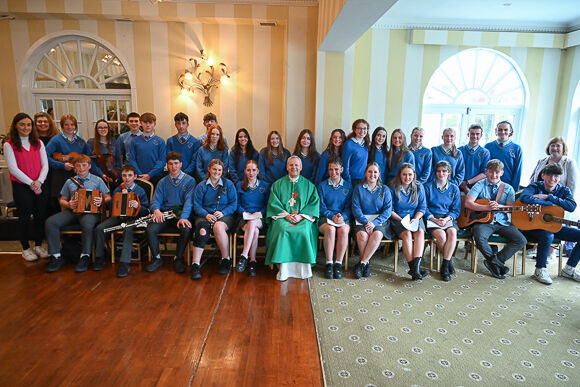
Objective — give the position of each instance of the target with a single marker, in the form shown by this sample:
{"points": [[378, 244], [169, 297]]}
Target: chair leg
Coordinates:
{"points": [[112, 246], [234, 250], [346, 258], [524, 260], [431, 254], [474, 261], [396, 254], [560, 259], [515, 264]]}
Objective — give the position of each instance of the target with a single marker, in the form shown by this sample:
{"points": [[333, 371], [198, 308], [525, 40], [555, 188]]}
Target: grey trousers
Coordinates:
{"points": [[515, 239], [127, 238], [55, 222]]}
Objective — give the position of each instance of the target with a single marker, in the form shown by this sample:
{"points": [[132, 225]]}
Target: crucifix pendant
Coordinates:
{"points": [[292, 201]]}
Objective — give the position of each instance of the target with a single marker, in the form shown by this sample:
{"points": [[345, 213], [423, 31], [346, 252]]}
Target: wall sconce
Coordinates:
{"points": [[203, 77]]}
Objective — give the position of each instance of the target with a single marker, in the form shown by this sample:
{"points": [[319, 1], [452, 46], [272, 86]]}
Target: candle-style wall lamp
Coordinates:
{"points": [[203, 76]]}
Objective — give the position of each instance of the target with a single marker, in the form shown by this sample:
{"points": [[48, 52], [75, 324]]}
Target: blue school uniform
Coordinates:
{"points": [[174, 192], [309, 167], [475, 160], [354, 160], [560, 196], [483, 190], [271, 173], [457, 164], [237, 168], [187, 146], [510, 154], [381, 159], [404, 206], [379, 202], [90, 182], [205, 156], [253, 199], [392, 172], [147, 155], [205, 198], [321, 173], [335, 200], [125, 140], [62, 144], [423, 160], [445, 201], [97, 169]]}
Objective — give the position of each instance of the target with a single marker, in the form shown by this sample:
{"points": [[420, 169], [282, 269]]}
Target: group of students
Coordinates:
{"points": [[381, 191]]}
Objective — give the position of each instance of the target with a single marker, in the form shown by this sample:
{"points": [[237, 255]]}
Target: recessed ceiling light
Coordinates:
{"points": [[507, 4]]}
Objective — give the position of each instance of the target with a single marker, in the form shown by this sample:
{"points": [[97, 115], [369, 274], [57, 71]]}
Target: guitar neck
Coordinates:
{"points": [[512, 209], [566, 222]]}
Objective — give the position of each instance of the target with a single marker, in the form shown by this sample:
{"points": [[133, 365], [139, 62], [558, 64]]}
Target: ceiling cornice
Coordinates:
{"points": [[471, 27]]}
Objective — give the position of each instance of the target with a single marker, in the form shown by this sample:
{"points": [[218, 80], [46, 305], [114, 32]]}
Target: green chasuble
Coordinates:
{"points": [[287, 242]]}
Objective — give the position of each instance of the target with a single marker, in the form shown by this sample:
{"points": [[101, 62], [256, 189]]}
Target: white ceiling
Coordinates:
{"points": [[497, 15]]}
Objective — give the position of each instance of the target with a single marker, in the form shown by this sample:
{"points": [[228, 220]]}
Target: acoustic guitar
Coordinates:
{"points": [[549, 218], [468, 217], [65, 158]]}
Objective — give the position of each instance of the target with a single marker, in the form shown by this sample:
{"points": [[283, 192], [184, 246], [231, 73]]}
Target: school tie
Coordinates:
{"points": [[493, 192]]}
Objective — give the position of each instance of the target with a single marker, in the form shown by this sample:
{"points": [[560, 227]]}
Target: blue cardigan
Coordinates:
{"points": [[335, 200], [205, 198], [147, 155], [62, 145], [457, 164], [354, 160], [379, 202], [253, 199], [203, 158], [271, 173], [187, 149], [423, 160], [446, 202], [511, 157], [237, 168]]}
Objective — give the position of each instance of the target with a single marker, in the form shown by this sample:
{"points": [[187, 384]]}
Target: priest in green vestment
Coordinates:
{"points": [[292, 216]]}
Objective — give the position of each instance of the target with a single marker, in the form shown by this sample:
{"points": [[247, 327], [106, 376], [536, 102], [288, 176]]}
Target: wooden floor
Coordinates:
{"points": [[93, 329]]}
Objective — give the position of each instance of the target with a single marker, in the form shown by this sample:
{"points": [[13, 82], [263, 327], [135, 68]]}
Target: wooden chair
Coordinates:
{"points": [[462, 236], [321, 246], [233, 247], [556, 244], [497, 241], [173, 234]]}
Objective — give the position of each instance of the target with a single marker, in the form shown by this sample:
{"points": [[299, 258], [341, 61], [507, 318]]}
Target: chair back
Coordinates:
{"points": [[147, 187]]}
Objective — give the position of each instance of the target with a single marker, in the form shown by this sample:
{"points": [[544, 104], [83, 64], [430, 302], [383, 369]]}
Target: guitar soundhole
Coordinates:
{"points": [[548, 217]]}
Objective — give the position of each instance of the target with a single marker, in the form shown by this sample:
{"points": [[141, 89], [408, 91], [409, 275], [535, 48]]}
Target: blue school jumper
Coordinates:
{"points": [[407, 158], [271, 173], [61, 144], [510, 154], [96, 169], [173, 192], [237, 169], [253, 199], [309, 168], [335, 200], [381, 159], [423, 160], [354, 160], [187, 147], [457, 164], [322, 170], [445, 201], [404, 205], [147, 155], [205, 156], [205, 198], [475, 160], [379, 202]]}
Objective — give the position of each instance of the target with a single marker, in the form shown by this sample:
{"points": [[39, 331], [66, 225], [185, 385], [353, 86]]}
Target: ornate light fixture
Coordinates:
{"points": [[203, 76]]}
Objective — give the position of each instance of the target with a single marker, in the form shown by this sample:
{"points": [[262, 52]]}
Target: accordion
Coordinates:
{"points": [[86, 204], [121, 204]]}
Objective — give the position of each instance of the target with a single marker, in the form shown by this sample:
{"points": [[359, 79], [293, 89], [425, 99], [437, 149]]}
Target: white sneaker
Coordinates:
{"points": [[29, 255], [575, 275], [551, 258], [40, 252], [542, 276]]}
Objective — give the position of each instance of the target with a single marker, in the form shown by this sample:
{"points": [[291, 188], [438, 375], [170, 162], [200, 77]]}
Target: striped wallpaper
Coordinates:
{"points": [[383, 77], [273, 68]]}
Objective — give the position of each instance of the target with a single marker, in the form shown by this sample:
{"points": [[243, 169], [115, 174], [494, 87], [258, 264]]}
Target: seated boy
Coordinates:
{"points": [[173, 191], [147, 152], [500, 194], [129, 174], [68, 203], [549, 193]]}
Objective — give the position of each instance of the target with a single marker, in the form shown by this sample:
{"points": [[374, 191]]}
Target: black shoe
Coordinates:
{"points": [[252, 269], [493, 269], [358, 270], [123, 270], [414, 271], [83, 264], [225, 265], [54, 264], [424, 273], [451, 268], [195, 271], [503, 269], [99, 264], [445, 275], [179, 265], [367, 270], [338, 270], [328, 272], [155, 264], [241, 264]]}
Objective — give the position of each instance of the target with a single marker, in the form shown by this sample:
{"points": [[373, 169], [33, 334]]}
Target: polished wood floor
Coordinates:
{"points": [[93, 329]]}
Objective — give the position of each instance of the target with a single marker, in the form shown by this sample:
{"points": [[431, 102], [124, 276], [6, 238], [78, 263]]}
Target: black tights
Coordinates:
{"points": [[28, 203]]}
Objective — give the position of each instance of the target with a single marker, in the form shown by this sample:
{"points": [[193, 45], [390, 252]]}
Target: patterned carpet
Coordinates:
{"points": [[474, 330]]}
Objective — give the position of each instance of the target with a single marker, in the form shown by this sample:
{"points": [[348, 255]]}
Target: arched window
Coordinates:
{"points": [[574, 126], [80, 76], [477, 85]]}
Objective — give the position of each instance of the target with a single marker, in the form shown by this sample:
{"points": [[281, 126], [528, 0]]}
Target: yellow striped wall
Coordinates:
{"points": [[273, 69], [383, 77], [328, 11]]}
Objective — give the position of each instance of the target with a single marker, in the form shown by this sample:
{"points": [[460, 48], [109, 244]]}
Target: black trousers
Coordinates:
{"points": [[28, 203]]}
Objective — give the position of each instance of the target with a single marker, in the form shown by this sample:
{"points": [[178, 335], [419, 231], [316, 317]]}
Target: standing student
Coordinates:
{"points": [[124, 139], [45, 126], [423, 155], [242, 151], [500, 194], [379, 150], [508, 152], [355, 152], [371, 208], [184, 143], [28, 166], [173, 193], [214, 203], [443, 207], [399, 154], [128, 176], [305, 148], [475, 157], [333, 151], [409, 200], [68, 202], [105, 154], [252, 201], [272, 159], [209, 120], [214, 147], [147, 152], [335, 214], [448, 152]]}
